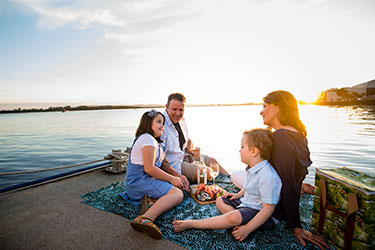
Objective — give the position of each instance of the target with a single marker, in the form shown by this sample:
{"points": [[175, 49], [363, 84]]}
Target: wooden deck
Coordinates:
{"points": [[52, 216]]}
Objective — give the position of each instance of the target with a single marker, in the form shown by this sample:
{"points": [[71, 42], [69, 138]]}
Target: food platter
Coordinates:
{"points": [[194, 196], [212, 191]]}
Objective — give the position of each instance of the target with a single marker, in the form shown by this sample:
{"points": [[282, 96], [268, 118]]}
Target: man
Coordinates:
{"points": [[177, 142]]}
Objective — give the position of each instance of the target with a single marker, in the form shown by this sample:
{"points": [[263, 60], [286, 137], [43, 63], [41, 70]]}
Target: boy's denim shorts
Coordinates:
{"points": [[248, 213]]}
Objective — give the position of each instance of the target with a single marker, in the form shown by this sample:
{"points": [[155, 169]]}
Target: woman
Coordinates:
{"points": [[290, 157], [146, 176]]}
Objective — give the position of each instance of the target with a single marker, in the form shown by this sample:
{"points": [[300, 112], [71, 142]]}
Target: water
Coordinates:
{"points": [[338, 136]]}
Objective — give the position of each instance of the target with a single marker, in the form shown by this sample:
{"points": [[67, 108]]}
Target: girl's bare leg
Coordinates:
{"points": [[164, 203], [224, 221]]}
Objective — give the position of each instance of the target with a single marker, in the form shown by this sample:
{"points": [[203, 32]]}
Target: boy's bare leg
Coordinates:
{"points": [[222, 206], [224, 221]]}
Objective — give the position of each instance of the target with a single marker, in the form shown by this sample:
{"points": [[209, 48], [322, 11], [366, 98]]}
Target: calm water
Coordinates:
{"points": [[338, 136]]}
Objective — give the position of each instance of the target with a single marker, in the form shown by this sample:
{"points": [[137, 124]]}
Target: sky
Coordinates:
{"points": [[96, 52]]}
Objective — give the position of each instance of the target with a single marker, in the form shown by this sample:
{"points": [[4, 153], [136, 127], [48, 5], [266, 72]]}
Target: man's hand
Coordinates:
{"points": [[196, 153], [189, 146], [240, 232], [317, 240]]}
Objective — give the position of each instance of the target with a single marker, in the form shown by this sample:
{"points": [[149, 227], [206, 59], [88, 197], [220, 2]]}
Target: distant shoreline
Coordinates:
{"points": [[107, 107], [347, 103], [143, 106]]}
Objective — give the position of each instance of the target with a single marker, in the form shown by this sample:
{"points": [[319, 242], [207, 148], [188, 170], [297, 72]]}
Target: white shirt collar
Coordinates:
{"points": [[257, 167], [167, 119]]}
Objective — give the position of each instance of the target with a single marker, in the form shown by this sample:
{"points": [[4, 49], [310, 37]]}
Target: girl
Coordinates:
{"points": [[146, 176]]}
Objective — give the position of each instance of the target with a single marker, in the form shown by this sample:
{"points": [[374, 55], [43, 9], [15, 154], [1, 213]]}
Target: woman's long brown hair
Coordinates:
{"points": [[288, 105]]}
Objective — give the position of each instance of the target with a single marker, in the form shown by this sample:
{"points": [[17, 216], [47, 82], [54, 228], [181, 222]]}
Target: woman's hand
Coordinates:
{"points": [[303, 235], [307, 188]]}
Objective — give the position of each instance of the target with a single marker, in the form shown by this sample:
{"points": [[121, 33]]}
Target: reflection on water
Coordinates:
{"points": [[338, 136], [341, 136]]}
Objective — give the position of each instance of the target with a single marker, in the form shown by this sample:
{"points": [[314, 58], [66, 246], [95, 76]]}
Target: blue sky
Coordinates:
{"points": [[213, 51]]}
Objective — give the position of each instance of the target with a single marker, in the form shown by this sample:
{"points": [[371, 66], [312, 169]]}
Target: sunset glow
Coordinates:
{"points": [[138, 52]]}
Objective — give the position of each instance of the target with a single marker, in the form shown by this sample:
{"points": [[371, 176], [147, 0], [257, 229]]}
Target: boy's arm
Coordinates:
{"points": [[241, 193], [241, 232]]}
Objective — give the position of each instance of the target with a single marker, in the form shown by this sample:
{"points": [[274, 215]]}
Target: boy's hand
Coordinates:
{"points": [[232, 195], [225, 195], [240, 232]]}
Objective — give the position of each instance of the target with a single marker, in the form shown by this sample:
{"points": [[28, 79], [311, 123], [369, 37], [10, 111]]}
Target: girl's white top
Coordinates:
{"points": [[142, 141]]}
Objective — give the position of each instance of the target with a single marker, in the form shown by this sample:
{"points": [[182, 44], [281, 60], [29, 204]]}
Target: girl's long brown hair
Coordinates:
{"points": [[145, 125]]}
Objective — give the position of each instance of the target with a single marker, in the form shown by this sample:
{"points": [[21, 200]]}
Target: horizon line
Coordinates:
{"points": [[114, 106]]}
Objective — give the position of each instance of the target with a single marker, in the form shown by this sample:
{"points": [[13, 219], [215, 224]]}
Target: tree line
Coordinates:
{"points": [[78, 108]]}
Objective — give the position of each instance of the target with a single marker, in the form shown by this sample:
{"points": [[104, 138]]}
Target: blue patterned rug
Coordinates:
{"points": [[108, 199]]}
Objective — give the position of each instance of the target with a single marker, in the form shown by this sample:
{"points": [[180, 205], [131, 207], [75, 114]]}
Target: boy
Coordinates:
{"points": [[252, 207]]}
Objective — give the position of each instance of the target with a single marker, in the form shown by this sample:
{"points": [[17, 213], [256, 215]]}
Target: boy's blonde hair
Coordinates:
{"points": [[261, 139]]}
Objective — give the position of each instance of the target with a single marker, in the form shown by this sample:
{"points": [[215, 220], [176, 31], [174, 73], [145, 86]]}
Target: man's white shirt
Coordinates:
{"points": [[171, 141]]}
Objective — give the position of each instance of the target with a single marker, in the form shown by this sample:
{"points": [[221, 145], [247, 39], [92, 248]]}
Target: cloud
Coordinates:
{"points": [[362, 9], [114, 13], [160, 22], [51, 18], [134, 25], [17, 73], [56, 79]]}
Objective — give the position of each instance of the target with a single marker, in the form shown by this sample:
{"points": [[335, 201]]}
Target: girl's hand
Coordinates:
{"points": [[240, 233], [185, 181], [177, 182]]}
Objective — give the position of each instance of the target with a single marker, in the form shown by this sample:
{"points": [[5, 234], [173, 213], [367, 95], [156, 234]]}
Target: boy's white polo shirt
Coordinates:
{"points": [[263, 185]]}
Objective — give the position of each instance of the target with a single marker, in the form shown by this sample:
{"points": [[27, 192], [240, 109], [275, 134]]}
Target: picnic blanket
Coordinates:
{"points": [[109, 199]]}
